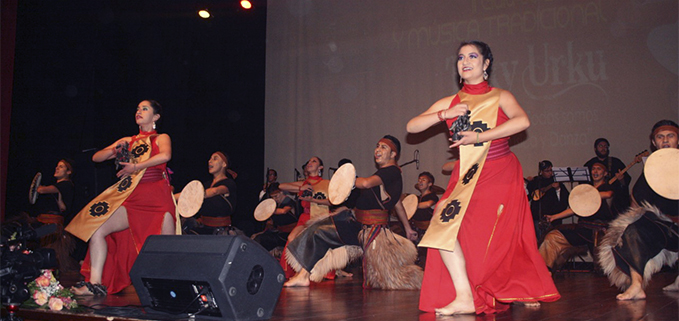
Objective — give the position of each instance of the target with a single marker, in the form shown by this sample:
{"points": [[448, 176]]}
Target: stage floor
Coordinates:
{"points": [[584, 296]]}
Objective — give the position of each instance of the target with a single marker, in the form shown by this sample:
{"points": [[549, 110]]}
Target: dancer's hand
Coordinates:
{"points": [[127, 170]]}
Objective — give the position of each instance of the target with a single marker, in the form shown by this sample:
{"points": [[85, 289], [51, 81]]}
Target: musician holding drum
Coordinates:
{"points": [[331, 243], [646, 237], [425, 204], [118, 221], [589, 228], [218, 203], [281, 221]]}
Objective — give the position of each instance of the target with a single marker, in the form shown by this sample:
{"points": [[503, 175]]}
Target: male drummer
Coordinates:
{"points": [[425, 205], [307, 254], [554, 249], [621, 200], [644, 239], [282, 221]]}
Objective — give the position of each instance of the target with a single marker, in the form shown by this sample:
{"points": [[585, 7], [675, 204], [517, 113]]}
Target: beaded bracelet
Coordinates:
{"points": [[440, 114]]}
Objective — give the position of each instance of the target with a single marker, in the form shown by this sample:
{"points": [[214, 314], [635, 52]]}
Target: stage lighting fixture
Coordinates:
{"points": [[204, 13], [245, 4]]}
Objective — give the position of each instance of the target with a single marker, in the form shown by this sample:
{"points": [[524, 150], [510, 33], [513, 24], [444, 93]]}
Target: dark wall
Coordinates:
{"points": [[82, 67]]}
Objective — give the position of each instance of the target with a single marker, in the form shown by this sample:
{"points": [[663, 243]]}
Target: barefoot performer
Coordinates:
{"points": [[645, 238], [482, 254], [331, 243]]}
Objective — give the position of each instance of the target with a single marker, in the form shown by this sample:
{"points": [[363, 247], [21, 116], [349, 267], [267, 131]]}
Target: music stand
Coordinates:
{"points": [[571, 174]]}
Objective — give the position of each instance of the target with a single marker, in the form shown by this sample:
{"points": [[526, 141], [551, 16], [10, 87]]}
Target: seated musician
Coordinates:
{"points": [[58, 207], [547, 197], [558, 242], [425, 206], [214, 216], [281, 223]]}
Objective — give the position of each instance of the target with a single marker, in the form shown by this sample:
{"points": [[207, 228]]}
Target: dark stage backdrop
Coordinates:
{"points": [[82, 67], [340, 74]]}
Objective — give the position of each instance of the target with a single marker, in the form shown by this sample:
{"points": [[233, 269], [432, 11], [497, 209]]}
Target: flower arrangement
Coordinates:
{"points": [[47, 293]]}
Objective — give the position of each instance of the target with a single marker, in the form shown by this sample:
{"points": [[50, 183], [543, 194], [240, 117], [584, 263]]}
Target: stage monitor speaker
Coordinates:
{"points": [[213, 277]]}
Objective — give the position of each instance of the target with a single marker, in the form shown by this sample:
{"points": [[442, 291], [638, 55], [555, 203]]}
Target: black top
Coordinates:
{"points": [[287, 218], [393, 185], [614, 165], [643, 192], [425, 214], [604, 213], [550, 203], [50, 205], [219, 205]]}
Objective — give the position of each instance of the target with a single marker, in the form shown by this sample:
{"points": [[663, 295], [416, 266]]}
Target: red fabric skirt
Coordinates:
{"points": [[145, 207], [502, 258]]}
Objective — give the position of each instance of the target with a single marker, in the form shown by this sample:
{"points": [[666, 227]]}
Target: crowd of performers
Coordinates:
{"points": [[491, 239]]}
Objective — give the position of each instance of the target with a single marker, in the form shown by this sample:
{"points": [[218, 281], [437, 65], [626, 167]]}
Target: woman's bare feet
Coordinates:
{"points": [[634, 292], [459, 306], [300, 279]]}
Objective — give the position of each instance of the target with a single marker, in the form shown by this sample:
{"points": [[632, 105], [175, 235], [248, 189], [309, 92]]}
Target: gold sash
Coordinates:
{"points": [[448, 215], [101, 207], [319, 210]]}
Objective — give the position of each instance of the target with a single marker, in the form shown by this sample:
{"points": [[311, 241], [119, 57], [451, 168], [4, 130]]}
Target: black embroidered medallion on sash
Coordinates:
{"points": [[307, 193], [99, 209], [139, 150], [125, 183], [319, 196], [479, 127], [470, 174], [449, 212]]}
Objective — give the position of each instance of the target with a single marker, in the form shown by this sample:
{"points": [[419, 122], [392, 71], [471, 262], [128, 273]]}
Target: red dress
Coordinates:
{"points": [[146, 208], [502, 259]]}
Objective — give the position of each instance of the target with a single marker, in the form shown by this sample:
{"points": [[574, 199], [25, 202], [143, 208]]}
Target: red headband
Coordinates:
{"points": [[389, 143], [666, 127], [220, 154]]}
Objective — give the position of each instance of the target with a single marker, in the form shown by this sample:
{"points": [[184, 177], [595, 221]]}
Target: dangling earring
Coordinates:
{"points": [[485, 75], [460, 79], [154, 125]]}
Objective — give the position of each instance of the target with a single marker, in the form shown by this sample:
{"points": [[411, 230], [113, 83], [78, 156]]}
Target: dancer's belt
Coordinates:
{"points": [[51, 219], [152, 174], [422, 225], [372, 217], [213, 221], [287, 228]]}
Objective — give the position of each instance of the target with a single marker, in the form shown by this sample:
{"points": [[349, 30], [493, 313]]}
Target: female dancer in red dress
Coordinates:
{"points": [[482, 254], [147, 207]]}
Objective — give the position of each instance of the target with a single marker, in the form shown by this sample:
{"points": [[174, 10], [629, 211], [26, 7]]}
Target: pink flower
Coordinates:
{"points": [[40, 297], [56, 304], [42, 281]]}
